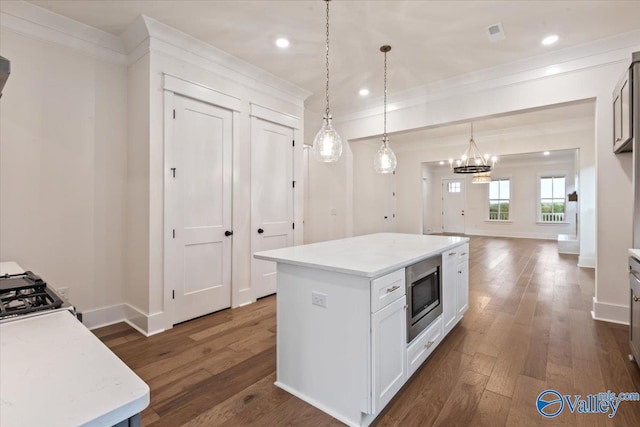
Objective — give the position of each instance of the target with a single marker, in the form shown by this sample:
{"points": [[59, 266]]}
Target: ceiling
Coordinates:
{"points": [[431, 40]]}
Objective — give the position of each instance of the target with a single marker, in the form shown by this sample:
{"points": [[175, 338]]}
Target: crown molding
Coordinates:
{"points": [[147, 34], [577, 58], [36, 22]]}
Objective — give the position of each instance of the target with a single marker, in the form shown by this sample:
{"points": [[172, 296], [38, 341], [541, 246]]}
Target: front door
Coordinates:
{"points": [[198, 206], [271, 198], [453, 205]]}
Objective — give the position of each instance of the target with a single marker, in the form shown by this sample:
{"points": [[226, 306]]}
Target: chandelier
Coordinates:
{"points": [[327, 145], [385, 160], [472, 161]]}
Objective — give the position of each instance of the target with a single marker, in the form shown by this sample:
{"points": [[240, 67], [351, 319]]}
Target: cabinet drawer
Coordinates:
{"points": [[423, 345], [387, 289], [463, 251]]}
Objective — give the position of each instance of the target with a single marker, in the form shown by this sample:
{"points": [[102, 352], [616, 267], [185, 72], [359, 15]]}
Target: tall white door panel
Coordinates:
{"points": [[198, 206], [453, 199], [271, 198]]}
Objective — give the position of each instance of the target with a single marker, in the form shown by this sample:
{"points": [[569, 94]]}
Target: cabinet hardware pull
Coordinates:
{"points": [[463, 253], [636, 299], [635, 274], [428, 344], [393, 288], [451, 253], [618, 139]]}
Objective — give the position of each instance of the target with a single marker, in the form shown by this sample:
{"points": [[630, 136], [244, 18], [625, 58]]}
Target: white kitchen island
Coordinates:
{"points": [[342, 322]]}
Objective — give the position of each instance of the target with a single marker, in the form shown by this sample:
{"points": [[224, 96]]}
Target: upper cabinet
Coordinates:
{"points": [[622, 119]]}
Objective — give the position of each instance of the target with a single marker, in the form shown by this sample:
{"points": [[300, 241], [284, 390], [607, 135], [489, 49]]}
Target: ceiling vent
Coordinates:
{"points": [[495, 32]]}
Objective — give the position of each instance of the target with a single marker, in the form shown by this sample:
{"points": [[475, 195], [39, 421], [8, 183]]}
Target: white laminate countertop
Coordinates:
{"points": [[635, 253], [55, 372], [370, 256]]}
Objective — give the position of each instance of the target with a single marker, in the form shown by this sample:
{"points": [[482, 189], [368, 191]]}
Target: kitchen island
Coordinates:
{"points": [[342, 341]]}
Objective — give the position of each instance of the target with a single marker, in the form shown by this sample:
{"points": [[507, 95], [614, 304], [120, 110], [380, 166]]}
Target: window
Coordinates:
{"points": [[552, 191], [454, 187], [499, 196]]}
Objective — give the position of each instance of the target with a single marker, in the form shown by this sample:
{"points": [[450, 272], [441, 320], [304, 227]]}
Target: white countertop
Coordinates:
{"points": [[371, 256], [635, 253], [10, 267], [55, 372]]}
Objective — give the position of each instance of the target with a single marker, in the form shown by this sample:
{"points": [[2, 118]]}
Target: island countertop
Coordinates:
{"points": [[371, 256]]}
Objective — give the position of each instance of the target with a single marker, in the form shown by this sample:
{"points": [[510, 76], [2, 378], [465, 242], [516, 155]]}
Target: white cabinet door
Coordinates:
{"points": [[462, 286], [271, 199], [198, 208], [449, 289], [389, 352]]}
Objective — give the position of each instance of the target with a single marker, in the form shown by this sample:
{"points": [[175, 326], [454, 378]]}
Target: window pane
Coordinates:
{"points": [[493, 206], [504, 189], [558, 206], [545, 188], [504, 207], [504, 216], [558, 188], [546, 206], [494, 192]]}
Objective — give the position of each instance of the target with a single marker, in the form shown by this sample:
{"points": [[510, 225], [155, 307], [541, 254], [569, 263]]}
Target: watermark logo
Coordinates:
{"points": [[550, 403]]}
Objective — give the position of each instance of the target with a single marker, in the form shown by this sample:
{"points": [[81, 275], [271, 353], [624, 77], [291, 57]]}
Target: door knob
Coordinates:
{"points": [[228, 233], [260, 231]]}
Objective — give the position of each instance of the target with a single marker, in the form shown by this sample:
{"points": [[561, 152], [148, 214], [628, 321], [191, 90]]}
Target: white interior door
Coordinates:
{"points": [[198, 190], [453, 205], [389, 215], [271, 198]]}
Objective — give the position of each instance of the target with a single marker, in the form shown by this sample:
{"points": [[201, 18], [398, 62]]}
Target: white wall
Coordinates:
{"points": [[63, 174], [523, 206]]}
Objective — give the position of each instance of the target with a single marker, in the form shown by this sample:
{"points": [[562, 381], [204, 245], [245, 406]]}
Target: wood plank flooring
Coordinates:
{"points": [[528, 328]]}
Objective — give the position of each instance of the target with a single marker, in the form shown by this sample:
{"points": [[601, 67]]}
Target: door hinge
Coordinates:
{"points": [[294, 142], [293, 226], [394, 194], [174, 233], [294, 184], [174, 113], [173, 294], [173, 172]]}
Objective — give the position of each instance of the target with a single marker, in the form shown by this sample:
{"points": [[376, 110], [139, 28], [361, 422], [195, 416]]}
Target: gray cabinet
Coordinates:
{"points": [[634, 321], [622, 119]]}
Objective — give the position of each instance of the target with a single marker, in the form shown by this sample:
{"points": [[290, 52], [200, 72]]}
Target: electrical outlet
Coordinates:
{"points": [[319, 299], [64, 293]]}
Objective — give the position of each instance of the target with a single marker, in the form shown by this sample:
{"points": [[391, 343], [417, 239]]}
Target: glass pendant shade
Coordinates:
{"points": [[327, 145], [385, 160]]}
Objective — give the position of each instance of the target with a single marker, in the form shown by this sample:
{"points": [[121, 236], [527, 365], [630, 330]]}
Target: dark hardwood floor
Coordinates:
{"points": [[528, 328]]}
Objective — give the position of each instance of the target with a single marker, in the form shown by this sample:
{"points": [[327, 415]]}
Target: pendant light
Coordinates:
{"points": [[472, 161], [385, 160], [327, 145]]}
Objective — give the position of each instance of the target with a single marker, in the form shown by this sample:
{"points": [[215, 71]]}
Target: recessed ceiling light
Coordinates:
{"points": [[364, 92], [282, 42], [546, 153], [442, 162], [549, 40]]}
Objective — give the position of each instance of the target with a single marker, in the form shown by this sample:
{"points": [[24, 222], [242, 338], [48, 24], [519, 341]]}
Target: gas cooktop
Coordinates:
{"points": [[25, 293]]}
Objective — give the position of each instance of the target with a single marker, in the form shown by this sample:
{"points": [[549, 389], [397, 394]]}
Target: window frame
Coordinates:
{"points": [[550, 174], [488, 204]]}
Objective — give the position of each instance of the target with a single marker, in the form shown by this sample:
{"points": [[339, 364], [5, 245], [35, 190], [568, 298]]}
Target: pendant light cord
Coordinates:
{"points": [[327, 60], [384, 136]]}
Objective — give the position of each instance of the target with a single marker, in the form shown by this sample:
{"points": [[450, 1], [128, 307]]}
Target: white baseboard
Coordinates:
{"points": [[608, 312], [587, 261], [514, 234], [147, 325]]}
